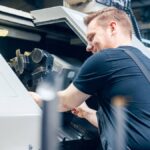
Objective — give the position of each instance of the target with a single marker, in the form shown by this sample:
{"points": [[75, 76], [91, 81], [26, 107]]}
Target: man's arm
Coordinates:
{"points": [[70, 98]]}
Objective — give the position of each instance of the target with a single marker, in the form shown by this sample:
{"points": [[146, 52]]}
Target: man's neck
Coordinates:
{"points": [[123, 42]]}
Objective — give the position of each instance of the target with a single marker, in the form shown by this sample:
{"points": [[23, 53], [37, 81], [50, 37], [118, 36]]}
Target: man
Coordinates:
{"points": [[118, 82]]}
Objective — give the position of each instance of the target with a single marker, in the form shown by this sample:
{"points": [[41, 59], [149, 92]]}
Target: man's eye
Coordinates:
{"points": [[91, 38]]}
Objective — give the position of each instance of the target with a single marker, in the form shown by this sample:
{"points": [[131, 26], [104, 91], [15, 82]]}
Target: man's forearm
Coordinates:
{"points": [[63, 102], [70, 98]]}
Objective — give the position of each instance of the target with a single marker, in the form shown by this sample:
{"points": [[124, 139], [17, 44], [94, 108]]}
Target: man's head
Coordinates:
{"points": [[107, 28]]}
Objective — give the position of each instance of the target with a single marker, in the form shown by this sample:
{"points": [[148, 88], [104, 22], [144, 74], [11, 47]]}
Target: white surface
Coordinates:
{"points": [[136, 43], [19, 114]]}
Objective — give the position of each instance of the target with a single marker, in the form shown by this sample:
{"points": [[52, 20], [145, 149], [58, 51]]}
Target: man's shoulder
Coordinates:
{"points": [[109, 52], [119, 51]]}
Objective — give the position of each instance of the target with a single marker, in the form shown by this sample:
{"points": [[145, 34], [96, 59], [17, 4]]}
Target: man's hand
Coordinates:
{"points": [[83, 111], [36, 98]]}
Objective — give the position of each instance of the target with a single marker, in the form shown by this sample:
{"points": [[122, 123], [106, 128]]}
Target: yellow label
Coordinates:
{"points": [[27, 53], [3, 32]]}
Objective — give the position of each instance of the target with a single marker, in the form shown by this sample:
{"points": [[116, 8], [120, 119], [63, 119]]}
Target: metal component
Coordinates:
{"points": [[37, 55]]}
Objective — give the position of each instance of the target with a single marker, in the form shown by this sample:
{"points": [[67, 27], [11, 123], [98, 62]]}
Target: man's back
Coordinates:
{"points": [[128, 81], [110, 74]]}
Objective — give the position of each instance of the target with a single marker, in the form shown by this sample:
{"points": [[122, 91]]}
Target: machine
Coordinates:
{"points": [[60, 33]]}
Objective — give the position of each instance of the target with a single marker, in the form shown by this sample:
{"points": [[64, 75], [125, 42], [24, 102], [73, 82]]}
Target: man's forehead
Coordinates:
{"points": [[93, 24], [91, 28]]}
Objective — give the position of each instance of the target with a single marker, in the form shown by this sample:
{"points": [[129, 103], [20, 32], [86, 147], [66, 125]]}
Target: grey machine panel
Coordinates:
{"points": [[55, 15], [15, 16], [19, 115]]}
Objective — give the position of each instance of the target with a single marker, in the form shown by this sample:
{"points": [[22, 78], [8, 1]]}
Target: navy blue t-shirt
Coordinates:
{"points": [[110, 74]]}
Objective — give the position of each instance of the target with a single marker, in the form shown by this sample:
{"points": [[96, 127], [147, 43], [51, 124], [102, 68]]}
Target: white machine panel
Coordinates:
{"points": [[19, 114]]}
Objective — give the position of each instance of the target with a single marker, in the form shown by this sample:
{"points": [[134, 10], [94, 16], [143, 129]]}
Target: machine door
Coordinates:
{"points": [[61, 16]]}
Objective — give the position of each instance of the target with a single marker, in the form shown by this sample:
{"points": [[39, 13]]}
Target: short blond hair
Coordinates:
{"points": [[108, 14]]}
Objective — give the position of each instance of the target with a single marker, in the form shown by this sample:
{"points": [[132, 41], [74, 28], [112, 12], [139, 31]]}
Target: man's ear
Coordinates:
{"points": [[113, 27]]}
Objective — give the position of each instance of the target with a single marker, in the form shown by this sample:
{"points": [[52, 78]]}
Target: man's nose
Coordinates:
{"points": [[89, 47]]}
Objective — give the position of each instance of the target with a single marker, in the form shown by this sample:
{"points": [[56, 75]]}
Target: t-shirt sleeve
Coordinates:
{"points": [[93, 74]]}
